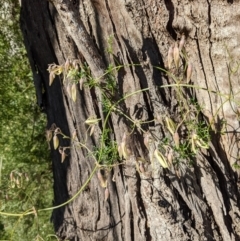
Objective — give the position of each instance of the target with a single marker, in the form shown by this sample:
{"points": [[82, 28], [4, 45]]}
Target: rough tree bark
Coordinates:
{"points": [[197, 198]]}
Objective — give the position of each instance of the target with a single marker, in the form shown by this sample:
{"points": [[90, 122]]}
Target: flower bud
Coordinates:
{"points": [[51, 78], [146, 140], [74, 92], [189, 73], [193, 147], [102, 179], [120, 151], [67, 65], [160, 158], [176, 55], [63, 156], [55, 142], [48, 135], [74, 134], [176, 139], [92, 121], [182, 42], [170, 57], [170, 125], [92, 130], [75, 64], [106, 194], [170, 156], [81, 82]]}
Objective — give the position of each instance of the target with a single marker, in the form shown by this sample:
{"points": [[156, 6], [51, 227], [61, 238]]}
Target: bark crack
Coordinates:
{"points": [[113, 24], [203, 70], [210, 44], [54, 29], [171, 10], [78, 32]]}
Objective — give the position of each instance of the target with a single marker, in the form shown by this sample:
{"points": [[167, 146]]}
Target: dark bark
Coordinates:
{"points": [[198, 199]]}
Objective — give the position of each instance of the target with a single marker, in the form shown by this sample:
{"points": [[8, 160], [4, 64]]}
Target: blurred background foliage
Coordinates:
{"points": [[25, 167]]}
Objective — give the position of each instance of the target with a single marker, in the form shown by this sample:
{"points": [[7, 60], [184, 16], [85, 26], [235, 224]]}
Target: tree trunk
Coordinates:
{"points": [[175, 122]]}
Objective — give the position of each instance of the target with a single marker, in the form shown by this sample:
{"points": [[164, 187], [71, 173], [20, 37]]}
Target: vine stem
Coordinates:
{"points": [[109, 113]]}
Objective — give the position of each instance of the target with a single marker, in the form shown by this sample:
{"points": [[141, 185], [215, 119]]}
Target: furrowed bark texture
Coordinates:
{"points": [[198, 201]]}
